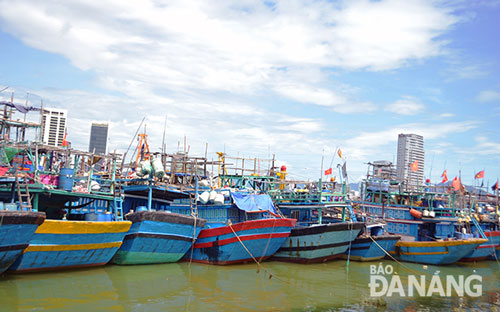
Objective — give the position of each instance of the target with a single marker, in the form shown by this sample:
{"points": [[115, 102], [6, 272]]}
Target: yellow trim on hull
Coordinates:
{"points": [[421, 253], [32, 248], [442, 243], [82, 227]]}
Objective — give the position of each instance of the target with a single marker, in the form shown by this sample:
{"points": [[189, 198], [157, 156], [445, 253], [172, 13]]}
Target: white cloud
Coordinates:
{"points": [[207, 65], [407, 105], [488, 96], [446, 115]]}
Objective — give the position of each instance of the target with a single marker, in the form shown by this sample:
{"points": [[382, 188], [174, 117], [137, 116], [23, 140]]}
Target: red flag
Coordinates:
{"points": [[3, 170], [445, 177], [456, 184], [414, 166], [329, 171], [64, 142], [495, 186], [479, 175]]}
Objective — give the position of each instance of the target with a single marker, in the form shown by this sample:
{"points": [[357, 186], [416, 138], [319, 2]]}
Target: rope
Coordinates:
{"points": [[260, 266], [268, 241], [398, 262], [349, 249]]}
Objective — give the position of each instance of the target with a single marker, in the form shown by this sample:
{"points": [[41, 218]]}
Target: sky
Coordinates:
{"points": [[297, 79]]}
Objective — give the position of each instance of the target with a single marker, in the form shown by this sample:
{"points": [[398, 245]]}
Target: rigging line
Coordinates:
{"points": [[260, 266]]}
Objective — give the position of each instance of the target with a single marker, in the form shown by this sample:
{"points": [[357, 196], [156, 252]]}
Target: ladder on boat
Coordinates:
{"points": [[23, 195], [118, 204], [478, 227], [193, 203], [351, 212]]}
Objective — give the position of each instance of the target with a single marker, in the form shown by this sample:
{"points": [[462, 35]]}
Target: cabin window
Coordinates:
{"points": [[295, 214]]}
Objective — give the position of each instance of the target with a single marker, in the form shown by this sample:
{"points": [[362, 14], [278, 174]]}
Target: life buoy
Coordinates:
{"points": [[415, 213]]}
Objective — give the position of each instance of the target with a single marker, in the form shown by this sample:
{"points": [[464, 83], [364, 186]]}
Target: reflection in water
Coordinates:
{"points": [[200, 287]]}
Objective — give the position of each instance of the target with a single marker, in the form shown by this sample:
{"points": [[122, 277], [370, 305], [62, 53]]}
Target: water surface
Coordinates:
{"points": [[332, 286]]}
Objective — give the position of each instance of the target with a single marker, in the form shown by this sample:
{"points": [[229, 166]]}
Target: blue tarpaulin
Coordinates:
{"points": [[252, 202]]}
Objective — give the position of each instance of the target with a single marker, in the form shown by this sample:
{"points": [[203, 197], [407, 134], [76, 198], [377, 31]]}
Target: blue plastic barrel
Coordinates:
{"points": [[142, 208], [104, 217], [66, 179]]}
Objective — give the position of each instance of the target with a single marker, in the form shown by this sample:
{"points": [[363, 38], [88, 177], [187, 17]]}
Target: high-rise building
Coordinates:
{"points": [[53, 126], [98, 138], [411, 150]]}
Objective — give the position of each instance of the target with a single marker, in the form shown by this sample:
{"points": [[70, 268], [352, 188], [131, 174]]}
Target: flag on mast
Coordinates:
{"points": [[328, 171], [445, 177], [479, 175], [414, 166], [339, 152]]}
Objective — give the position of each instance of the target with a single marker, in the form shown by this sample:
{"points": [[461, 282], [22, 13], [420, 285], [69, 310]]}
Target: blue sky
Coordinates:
{"points": [[295, 78]]}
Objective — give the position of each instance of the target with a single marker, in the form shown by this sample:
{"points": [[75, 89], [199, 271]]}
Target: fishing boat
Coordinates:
{"points": [[314, 240], [425, 218], [157, 235], [240, 228], [66, 239], [16, 230], [372, 244]]}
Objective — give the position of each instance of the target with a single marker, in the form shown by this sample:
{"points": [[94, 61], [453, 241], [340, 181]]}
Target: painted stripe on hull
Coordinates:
{"points": [[83, 227], [307, 248], [13, 247], [248, 225], [435, 252], [160, 236], [34, 248], [318, 246], [242, 237]]}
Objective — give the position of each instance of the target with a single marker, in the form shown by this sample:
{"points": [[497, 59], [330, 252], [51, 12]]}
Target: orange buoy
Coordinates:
{"points": [[415, 213]]}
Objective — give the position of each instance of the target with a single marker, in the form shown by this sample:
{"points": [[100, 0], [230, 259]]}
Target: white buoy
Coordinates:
{"points": [[219, 199], [432, 214], [203, 198], [213, 195]]}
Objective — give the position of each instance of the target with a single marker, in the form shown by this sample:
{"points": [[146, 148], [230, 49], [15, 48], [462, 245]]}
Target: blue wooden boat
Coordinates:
{"points": [[158, 237], [425, 218], [372, 244], [318, 243], [241, 242], [16, 230], [240, 228], [62, 244], [435, 252], [486, 250], [314, 240]]}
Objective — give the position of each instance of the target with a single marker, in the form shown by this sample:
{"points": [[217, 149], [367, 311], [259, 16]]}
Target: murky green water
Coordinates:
{"points": [[196, 287]]}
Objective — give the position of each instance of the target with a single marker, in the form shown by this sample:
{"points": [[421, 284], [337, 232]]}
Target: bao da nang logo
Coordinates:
{"points": [[384, 283]]}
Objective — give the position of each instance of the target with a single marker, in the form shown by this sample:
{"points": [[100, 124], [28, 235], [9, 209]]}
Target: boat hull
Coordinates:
{"points": [[157, 237], [486, 250], [59, 244], [435, 252], [365, 249], [262, 238], [16, 230], [318, 243]]}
